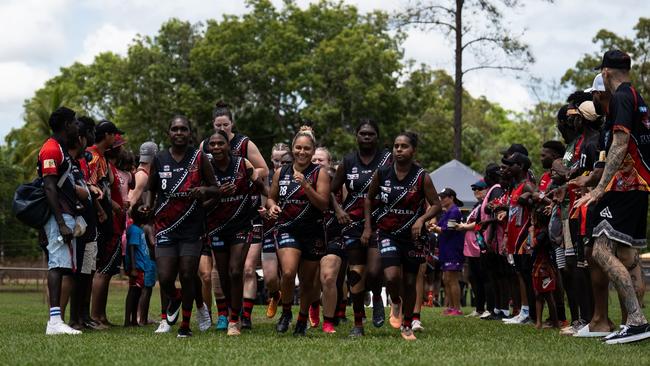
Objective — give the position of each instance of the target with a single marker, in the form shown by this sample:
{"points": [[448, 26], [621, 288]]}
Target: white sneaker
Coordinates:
{"points": [[416, 326], [520, 319], [513, 319], [485, 314], [203, 317], [59, 327], [473, 314], [164, 327], [584, 332]]}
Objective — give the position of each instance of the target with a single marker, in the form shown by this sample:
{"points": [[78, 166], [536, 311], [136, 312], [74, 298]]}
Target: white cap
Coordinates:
{"points": [[597, 85]]}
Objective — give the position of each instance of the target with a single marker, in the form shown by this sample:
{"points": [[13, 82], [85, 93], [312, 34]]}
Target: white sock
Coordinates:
{"points": [[496, 311], [525, 310], [55, 315]]}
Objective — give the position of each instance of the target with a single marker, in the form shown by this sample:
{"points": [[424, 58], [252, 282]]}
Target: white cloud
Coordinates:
{"points": [[19, 81], [107, 38], [31, 29]]}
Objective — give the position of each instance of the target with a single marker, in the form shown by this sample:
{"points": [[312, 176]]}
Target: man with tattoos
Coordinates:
{"points": [[621, 197]]}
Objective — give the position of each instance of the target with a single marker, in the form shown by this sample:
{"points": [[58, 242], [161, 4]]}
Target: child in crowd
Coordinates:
{"points": [[544, 277], [149, 276], [137, 257]]}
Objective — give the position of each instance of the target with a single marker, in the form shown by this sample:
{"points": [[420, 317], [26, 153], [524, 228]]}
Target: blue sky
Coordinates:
{"points": [[37, 37]]}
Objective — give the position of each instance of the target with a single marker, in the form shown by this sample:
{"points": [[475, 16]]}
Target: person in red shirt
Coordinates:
{"points": [[54, 165]]}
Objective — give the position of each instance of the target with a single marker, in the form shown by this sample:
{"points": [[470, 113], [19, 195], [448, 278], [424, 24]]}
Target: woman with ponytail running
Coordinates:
{"points": [[298, 197]]}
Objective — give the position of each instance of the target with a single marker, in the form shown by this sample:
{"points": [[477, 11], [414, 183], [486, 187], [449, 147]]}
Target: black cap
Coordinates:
{"points": [[615, 59], [517, 158], [515, 148], [107, 127], [448, 192], [492, 170]]}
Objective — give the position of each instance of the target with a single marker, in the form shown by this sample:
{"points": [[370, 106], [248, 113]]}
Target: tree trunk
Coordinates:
{"points": [[458, 87]]}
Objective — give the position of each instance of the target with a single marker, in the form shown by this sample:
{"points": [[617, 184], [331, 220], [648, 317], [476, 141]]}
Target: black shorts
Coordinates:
{"points": [[336, 247], [170, 247], [258, 228], [222, 242], [268, 244], [312, 248], [622, 217], [206, 251], [523, 263], [352, 239], [496, 264], [397, 252], [109, 256]]}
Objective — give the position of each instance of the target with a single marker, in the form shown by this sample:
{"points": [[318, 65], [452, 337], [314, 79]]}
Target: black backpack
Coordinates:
{"points": [[30, 202]]}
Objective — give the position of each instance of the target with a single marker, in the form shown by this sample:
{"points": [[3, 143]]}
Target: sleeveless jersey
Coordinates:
{"points": [[401, 202], [232, 213], [298, 214], [177, 215], [332, 227], [357, 181]]}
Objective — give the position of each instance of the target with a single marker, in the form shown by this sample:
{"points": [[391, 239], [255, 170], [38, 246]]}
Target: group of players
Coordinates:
{"points": [[213, 212]]}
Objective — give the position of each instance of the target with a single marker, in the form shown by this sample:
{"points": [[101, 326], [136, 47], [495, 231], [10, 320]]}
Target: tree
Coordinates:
{"points": [[475, 26], [582, 74], [25, 143]]}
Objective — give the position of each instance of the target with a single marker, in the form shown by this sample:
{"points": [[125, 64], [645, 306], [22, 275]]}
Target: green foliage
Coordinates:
{"points": [[582, 74], [16, 239]]}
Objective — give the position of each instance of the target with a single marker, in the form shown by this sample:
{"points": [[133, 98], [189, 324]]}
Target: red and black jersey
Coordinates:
{"points": [[298, 214], [401, 202], [518, 221], [54, 160], [357, 181], [232, 213], [178, 215]]}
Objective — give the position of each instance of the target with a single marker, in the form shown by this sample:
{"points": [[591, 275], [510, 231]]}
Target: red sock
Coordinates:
{"points": [[248, 308], [358, 318], [328, 320], [407, 321], [340, 311], [187, 314], [416, 316], [234, 315], [222, 307]]}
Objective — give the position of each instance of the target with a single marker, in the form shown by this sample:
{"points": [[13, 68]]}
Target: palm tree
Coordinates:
{"points": [[25, 142]]}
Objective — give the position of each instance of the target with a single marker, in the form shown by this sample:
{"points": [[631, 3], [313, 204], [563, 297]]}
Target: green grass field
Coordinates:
{"points": [[445, 341]]}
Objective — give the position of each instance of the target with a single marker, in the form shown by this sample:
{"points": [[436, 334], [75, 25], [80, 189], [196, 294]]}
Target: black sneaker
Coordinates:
{"points": [[91, 324], [283, 323], [378, 314], [184, 333], [173, 309], [246, 323], [356, 332], [630, 333], [300, 330]]}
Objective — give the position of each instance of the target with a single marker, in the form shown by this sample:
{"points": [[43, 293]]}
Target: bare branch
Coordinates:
{"points": [[483, 67], [482, 39]]}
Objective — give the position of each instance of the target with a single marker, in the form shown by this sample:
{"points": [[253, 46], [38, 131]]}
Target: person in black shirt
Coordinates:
{"points": [[621, 196]]}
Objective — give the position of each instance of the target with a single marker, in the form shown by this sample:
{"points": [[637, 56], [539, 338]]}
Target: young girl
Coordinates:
{"points": [[403, 189]]}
